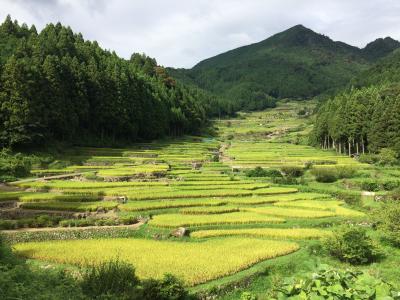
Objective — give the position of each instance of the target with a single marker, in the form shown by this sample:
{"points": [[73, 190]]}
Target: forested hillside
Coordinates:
{"points": [[56, 86], [366, 117], [296, 63]]}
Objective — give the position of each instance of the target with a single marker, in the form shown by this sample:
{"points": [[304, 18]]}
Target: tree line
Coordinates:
{"points": [[360, 120], [56, 86]]}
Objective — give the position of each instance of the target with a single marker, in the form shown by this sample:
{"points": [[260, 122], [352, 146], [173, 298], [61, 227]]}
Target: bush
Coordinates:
{"points": [[329, 283], [352, 245], [369, 185], [168, 288], [345, 172], [13, 165], [387, 157], [248, 296], [395, 194], [260, 172], [388, 221], [324, 174], [114, 278], [292, 171], [367, 158]]}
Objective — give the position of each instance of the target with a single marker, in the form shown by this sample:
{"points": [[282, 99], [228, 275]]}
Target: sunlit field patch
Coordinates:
{"points": [[281, 233], [208, 210], [176, 220], [194, 262], [291, 212], [71, 206]]}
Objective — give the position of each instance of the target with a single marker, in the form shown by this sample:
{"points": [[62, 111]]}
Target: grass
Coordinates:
{"points": [[279, 233], [194, 262], [179, 220], [45, 197]]}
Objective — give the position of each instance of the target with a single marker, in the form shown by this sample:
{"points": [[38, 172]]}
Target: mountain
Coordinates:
{"points": [[385, 70], [380, 48], [296, 63]]}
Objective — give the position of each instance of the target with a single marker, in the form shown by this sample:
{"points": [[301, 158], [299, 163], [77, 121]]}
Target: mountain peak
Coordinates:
{"points": [[380, 48]]}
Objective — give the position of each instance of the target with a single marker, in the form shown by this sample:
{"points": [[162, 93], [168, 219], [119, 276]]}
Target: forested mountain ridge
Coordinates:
{"points": [[56, 86], [365, 117], [296, 63]]}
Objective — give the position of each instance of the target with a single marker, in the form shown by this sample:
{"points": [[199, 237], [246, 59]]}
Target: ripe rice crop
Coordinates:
{"points": [[128, 171], [160, 204], [177, 220], [208, 210], [291, 212], [315, 204], [281, 233], [45, 197], [194, 262], [70, 206]]}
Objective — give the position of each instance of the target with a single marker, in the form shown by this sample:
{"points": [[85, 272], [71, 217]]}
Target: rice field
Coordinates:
{"points": [[197, 183], [276, 233], [195, 262]]}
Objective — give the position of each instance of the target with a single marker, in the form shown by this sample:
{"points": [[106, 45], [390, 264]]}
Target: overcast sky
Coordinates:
{"points": [[180, 33]]}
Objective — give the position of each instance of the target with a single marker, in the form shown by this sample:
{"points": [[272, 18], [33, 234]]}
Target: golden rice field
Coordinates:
{"points": [[277, 233], [195, 262], [197, 183]]}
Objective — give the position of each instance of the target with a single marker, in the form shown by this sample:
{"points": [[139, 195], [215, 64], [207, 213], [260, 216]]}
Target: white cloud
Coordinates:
{"points": [[180, 33]]}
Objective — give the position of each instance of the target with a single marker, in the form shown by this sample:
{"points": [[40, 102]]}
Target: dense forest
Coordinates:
{"points": [[55, 86], [366, 116], [297, 63]]}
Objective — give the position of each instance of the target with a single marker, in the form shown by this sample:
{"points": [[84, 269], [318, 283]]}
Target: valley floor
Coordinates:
{"points": [[243, 232]]}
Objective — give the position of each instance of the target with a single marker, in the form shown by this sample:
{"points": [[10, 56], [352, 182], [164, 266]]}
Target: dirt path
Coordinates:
{"points": [[50, 229]]}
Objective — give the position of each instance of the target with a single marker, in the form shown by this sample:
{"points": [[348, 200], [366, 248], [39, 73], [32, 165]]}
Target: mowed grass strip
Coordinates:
{"points": [[71, 206], [194, 262], [284, 233], [291, 212], [177, 220]]}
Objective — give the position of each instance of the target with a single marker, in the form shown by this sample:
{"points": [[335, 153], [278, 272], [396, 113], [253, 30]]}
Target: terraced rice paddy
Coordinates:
{"points": [[197, 183], [195, 262]]}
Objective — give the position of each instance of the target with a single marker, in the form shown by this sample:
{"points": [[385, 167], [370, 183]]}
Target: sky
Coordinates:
{"points": [[180, 33]]}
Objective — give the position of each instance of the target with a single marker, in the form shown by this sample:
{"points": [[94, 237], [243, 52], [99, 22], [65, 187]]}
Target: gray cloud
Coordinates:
{"points": [[180, 33]]}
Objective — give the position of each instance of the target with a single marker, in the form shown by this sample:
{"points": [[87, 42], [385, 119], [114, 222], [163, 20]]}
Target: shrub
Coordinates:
{"points": [[388, 220], [367, 158], [248, 296], [114, 278], [292, 171], [260, 172], [352, 245], [13, 165], [345, 171], [369, 185], [387, 157], [324, 174], [395, 194], [329, 283], [168, 288]]}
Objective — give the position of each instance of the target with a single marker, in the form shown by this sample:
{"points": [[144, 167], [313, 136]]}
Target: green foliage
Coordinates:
{"points": [[248, 296], [325, 175], [329, 283], [13, 165], [292, 171], [368, 158], [114, 278], [387, 157], [352, 245], [55, 86], [388, 220], [260, 172], [168, 288]]}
